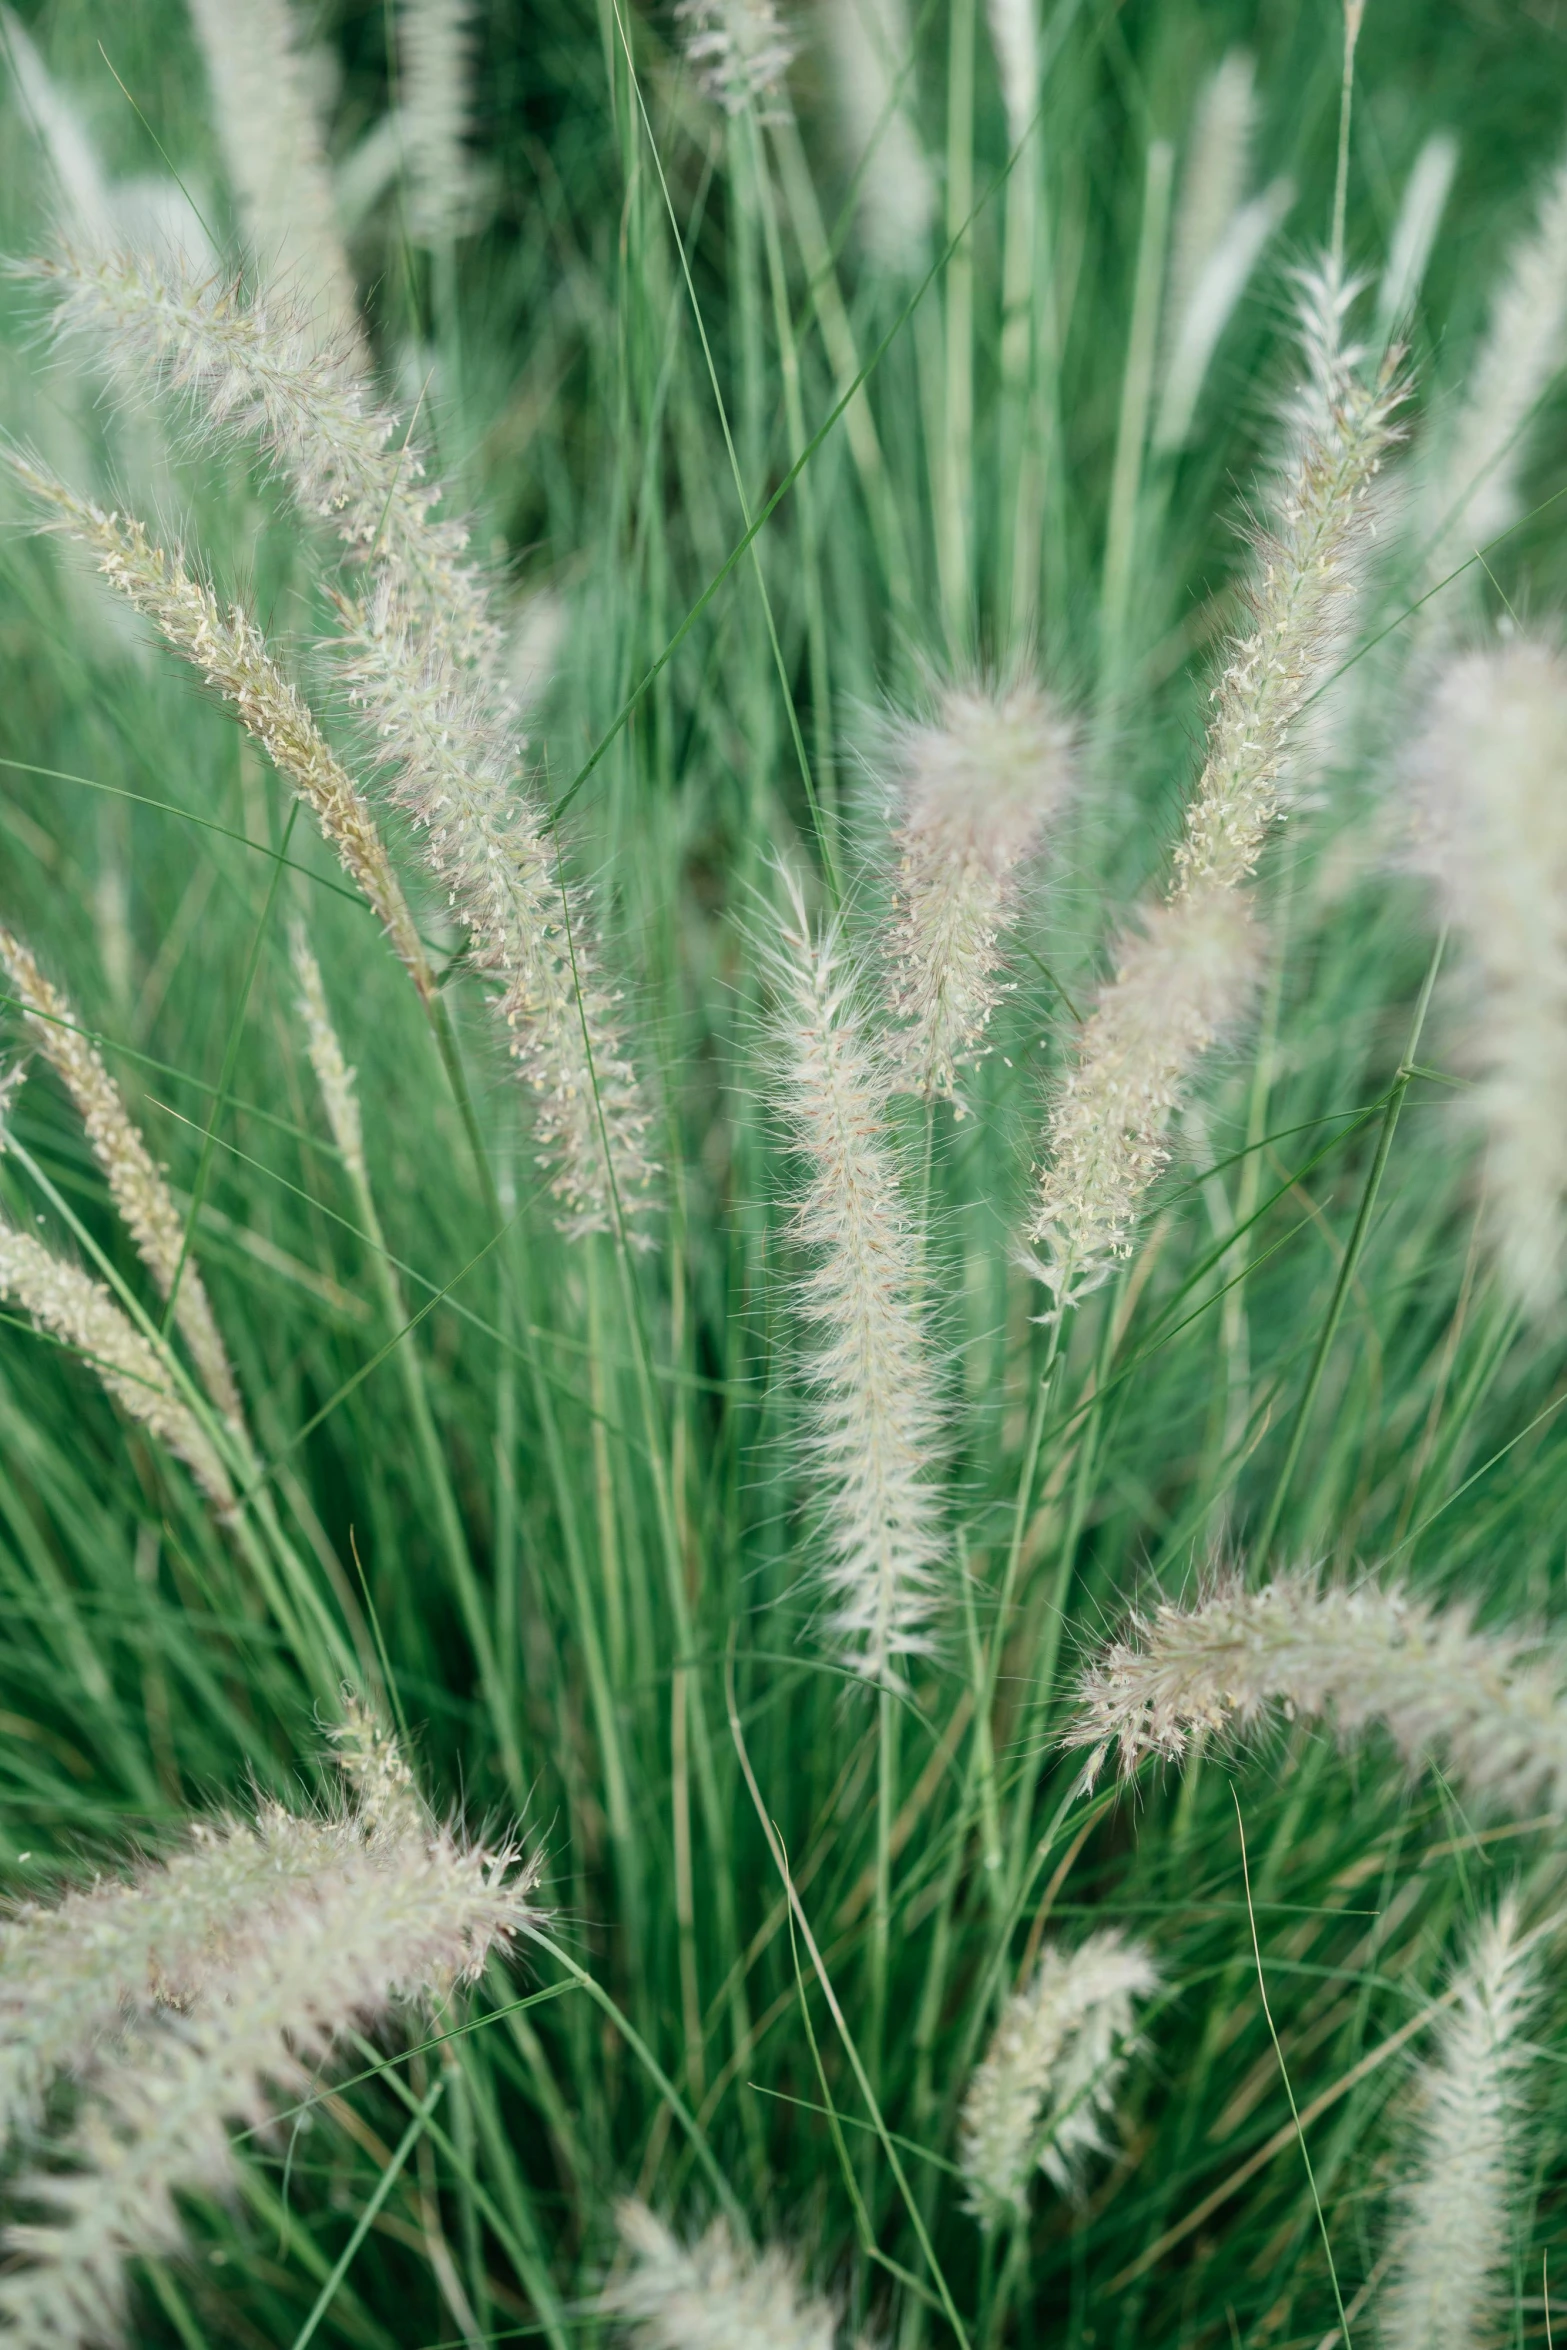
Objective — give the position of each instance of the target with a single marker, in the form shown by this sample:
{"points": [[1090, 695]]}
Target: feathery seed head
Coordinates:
{"points": [[1014, 34], [70, 1974], [869, 45], [1196, 327], [450, 762], [740, 49], [1414, 231], [1489, 782], [136, 1183], [422, 655], [1491, 1712], [194, 1994], [1301, 597], [387, 1804], [1453, 2243], [229, 650], [408, 1921], [875, 1418], [1050, 2074], [272, 145], [1471, 478], [70, 1305], [714, 2294], [973, 791], [435, 77], [1186, 970], [256, 368], [333, 1074], [1216, 177], [1183, 976]]}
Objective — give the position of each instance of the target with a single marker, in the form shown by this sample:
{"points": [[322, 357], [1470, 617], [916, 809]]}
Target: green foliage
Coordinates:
{"points": [[551, 1495]]}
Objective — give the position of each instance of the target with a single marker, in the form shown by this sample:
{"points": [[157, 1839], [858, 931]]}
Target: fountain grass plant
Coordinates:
{"points": [[776, 430]]}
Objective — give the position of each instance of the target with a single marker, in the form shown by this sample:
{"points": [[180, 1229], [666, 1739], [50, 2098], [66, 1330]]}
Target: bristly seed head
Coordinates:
{"points": [[136, 1183], [973, 791], [1486, 1707], [1456, 2211], [1184, 973], [714, 2294], [1488, 777], [740, 49], [423, 657], [1051, 2073], [874, 1422]]}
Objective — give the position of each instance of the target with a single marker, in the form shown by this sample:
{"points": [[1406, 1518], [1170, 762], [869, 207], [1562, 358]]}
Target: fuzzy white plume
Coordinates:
{"points": [[1183, 972], [1488, 776], [1216, 177], [1204, 315], [973, 792], [1183, 976], [1471, 478], [741, 51], [272, 145], [1452, 2279], [874, 1419], [424, 657], [136, 1183], [83, 184], [435, 93], [869, 43], [333, 1075], [71, 1306], [712, 2295], [404, 1917], [1489, 1709], [1414, 231], [1014, 35], [92, 207], [1050, 2074], [229, 650], [72, 1973]]}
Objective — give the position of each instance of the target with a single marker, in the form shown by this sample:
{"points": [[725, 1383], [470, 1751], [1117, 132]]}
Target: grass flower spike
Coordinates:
{"points": [[1489, 780], [739, 48], [870, 43], [1183, 976], [1183, 973], [712, 2295], [1414, 232], [71, 1306], [1489, 1709], [229, 650], [136, 1184], [1452, 2280], [1471, 480], [71, 1974], [424, 658], [974, 791], [875, 1415], [1216, 177], [333, 1074], [1219, 237], [1014, 35], [375, 1930], [272, 146], [435, 76], [1051, 2072]]}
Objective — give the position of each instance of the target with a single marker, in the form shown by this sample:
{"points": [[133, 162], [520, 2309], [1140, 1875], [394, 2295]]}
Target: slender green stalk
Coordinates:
{"points": [[1351, 1263], [954, 525], [1131, 439]]}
